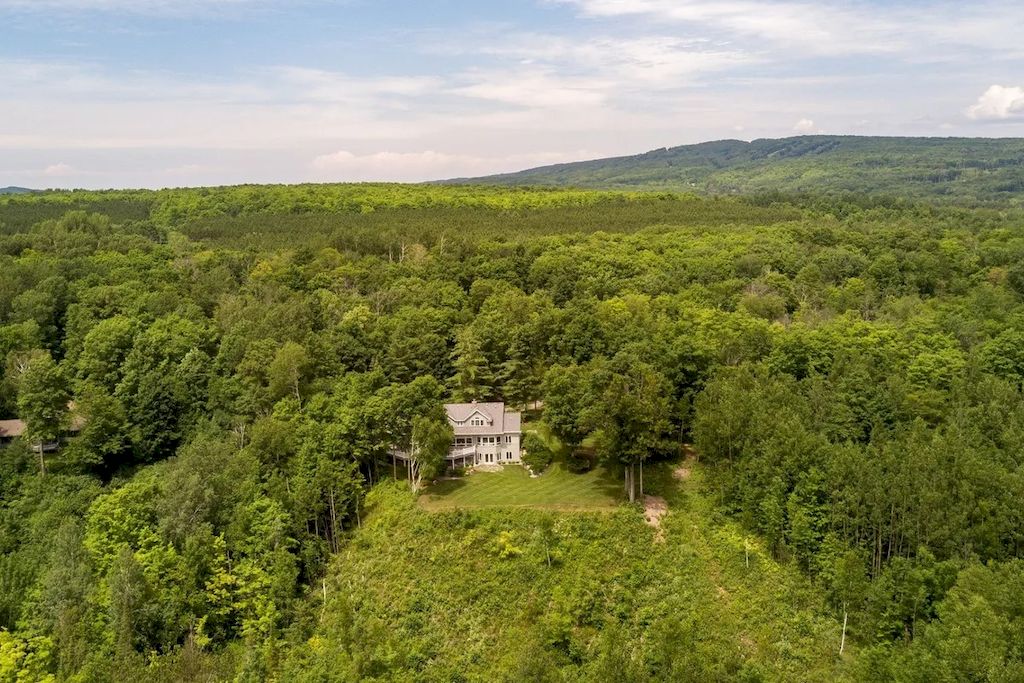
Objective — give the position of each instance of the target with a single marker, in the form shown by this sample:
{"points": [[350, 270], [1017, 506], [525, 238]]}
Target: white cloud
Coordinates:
{"points": [[830, 27], [152, 7], [344, 165], [68, 106], [805, 127], [58, 170], [533, 87], [997, 103], [816, 26], [187, 170], [66, 81], [648, 61], [333, 86]]}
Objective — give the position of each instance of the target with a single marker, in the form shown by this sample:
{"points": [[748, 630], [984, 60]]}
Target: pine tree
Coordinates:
{"points": [[519, 377], [473, 379]]}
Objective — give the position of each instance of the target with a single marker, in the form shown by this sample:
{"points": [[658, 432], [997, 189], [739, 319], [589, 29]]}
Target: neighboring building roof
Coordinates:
{"points": [[11, 428], [499, 421]]}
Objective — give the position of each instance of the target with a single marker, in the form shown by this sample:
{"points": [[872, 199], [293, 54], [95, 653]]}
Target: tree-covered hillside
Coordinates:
{"points": [[964, 169], [846, 373]]}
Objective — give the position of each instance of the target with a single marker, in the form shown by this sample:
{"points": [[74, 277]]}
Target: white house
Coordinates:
{"points": [[484, 433]]}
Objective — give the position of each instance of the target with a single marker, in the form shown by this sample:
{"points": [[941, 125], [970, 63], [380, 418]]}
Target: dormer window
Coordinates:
{"points": [[478, 422]]}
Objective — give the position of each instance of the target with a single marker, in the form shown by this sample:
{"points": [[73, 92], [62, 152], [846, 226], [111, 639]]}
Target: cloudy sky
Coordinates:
{"points": [[155, 93]]}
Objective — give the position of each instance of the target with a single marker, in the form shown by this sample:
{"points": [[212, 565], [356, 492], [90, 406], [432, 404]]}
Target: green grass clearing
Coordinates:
{"points": [[556, 489]]}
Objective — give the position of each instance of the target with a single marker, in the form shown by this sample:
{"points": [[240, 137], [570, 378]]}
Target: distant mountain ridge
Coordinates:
{"points": [[982, 169], [15, 190]]}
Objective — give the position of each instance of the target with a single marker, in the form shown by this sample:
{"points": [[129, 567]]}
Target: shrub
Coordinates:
{"points": [[579, 462], [536, 454]]}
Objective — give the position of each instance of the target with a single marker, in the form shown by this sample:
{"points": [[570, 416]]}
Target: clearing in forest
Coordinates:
{"points": [[556, 489], [497, 593]]}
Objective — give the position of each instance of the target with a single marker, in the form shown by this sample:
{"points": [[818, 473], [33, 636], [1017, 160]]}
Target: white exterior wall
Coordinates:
{"points": [[512, 447], [500, 449]]}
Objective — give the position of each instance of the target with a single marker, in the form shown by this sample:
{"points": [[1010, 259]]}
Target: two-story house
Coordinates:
{"points": [[484, 433]]}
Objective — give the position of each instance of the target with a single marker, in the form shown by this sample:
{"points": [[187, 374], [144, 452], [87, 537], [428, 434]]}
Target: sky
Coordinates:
{"points": [[168, 93]]}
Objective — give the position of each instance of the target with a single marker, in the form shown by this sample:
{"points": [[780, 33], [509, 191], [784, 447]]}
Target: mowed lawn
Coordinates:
{"points": [[557, 488]]}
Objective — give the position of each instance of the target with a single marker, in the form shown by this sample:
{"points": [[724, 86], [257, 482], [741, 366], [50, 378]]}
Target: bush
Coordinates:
{"points": [[536, 454], [579, 462]]}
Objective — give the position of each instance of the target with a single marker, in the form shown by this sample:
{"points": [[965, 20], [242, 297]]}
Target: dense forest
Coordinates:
{"points": [[964, 170], [838, 379]]}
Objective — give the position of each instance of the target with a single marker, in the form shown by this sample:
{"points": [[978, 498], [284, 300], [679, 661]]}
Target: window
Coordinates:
{"points": [[478, 422], [508, 439]]}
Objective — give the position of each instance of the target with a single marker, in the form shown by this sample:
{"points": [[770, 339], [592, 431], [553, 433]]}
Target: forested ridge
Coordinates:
{"points": [[963, 170], [239, 361]]}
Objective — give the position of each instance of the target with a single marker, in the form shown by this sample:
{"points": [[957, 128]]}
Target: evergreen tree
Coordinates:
{"points": [[473, 379]]}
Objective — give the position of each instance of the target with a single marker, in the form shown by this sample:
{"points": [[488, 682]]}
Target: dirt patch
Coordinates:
{"points": [[682, 473], [655, 508]]}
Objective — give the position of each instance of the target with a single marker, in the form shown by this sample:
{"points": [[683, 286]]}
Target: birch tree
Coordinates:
{"points": [[42, 403], [431, 438]]}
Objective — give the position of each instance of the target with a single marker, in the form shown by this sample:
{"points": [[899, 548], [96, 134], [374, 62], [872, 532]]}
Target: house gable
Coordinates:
{"points": [[476, 419], [481, 418]]}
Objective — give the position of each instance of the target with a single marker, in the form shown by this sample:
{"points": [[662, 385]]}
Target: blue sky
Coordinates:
{"points": [[156, 93]]}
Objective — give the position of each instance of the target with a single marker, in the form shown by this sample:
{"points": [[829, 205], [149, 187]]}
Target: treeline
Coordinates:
{"points": [[850, 375], [179, 206]]}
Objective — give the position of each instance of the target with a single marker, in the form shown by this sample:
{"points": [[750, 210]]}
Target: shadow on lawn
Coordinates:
{"points": [[610, 485], [445, 486]]}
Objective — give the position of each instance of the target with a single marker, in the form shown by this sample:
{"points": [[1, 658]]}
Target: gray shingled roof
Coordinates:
{"points": [[501, 422]]}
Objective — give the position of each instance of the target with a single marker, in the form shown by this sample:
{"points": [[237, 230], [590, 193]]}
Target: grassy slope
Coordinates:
{"points": [[432, 596], [513, 487]]}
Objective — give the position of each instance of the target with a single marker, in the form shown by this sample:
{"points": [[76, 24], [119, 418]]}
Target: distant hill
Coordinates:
{"points": [[15, 190], [982, 169]]}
